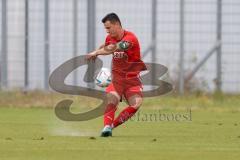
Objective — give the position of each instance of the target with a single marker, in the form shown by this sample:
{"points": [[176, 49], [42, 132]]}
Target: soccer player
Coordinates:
{"points": [[125, 50]]}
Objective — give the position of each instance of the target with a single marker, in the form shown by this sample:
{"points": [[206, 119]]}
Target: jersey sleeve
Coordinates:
{"points": [[109, 41], [131, 40]]}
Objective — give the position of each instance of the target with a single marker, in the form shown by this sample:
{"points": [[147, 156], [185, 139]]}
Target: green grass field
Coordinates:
{"points": [[34, 133]]}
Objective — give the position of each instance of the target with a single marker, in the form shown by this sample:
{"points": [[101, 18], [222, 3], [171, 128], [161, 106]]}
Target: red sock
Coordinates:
{"points": [[109, 114], [124, 116]]}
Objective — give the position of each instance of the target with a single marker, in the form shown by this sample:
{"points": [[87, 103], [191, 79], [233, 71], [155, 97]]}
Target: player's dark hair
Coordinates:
{"points": [[112, 17]]}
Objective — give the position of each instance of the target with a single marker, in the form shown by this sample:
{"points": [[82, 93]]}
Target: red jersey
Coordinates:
{"points": [[123, 67]]}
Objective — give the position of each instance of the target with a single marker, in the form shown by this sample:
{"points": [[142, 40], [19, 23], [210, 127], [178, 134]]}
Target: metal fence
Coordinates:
{"points": [[198, 40]]}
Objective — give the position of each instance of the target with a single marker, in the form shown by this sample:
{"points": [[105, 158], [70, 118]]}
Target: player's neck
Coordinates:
{"points": [[120, 35]]}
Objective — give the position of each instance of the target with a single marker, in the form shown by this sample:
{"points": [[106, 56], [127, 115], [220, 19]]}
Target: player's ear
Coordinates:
{"points": [[116, 24], [119, 24]]}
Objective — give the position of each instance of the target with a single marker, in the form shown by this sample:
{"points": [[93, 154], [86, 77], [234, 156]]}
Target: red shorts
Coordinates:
{"points": [[126, 91]]}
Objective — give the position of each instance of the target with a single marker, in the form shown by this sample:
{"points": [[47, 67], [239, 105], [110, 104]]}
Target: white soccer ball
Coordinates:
{"points": [[103, 79]]}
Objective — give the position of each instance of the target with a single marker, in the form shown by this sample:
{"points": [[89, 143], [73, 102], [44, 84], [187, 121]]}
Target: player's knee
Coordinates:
{"points": [[113, 99], [137, 102]]}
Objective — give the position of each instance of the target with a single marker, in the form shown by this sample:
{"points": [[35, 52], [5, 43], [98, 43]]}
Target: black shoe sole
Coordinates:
{"points": [[106, 134]]}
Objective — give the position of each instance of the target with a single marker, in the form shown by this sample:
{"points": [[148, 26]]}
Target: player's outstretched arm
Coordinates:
{"points": [[103, 50], [109, 49]]}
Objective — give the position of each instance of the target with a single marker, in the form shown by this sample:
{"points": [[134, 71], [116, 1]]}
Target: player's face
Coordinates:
{"points": [[111, 28]]}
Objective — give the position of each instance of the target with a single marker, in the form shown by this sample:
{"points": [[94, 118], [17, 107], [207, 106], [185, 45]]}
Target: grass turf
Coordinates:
{"points": [[213, 132], [36, 134]]}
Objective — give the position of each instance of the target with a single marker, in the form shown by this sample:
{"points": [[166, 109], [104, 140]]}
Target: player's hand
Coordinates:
{"points": [[91, 55]]}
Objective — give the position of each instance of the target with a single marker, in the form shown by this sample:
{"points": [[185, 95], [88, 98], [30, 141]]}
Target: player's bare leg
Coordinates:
{"points": [[113, 99], [134, 103]]}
